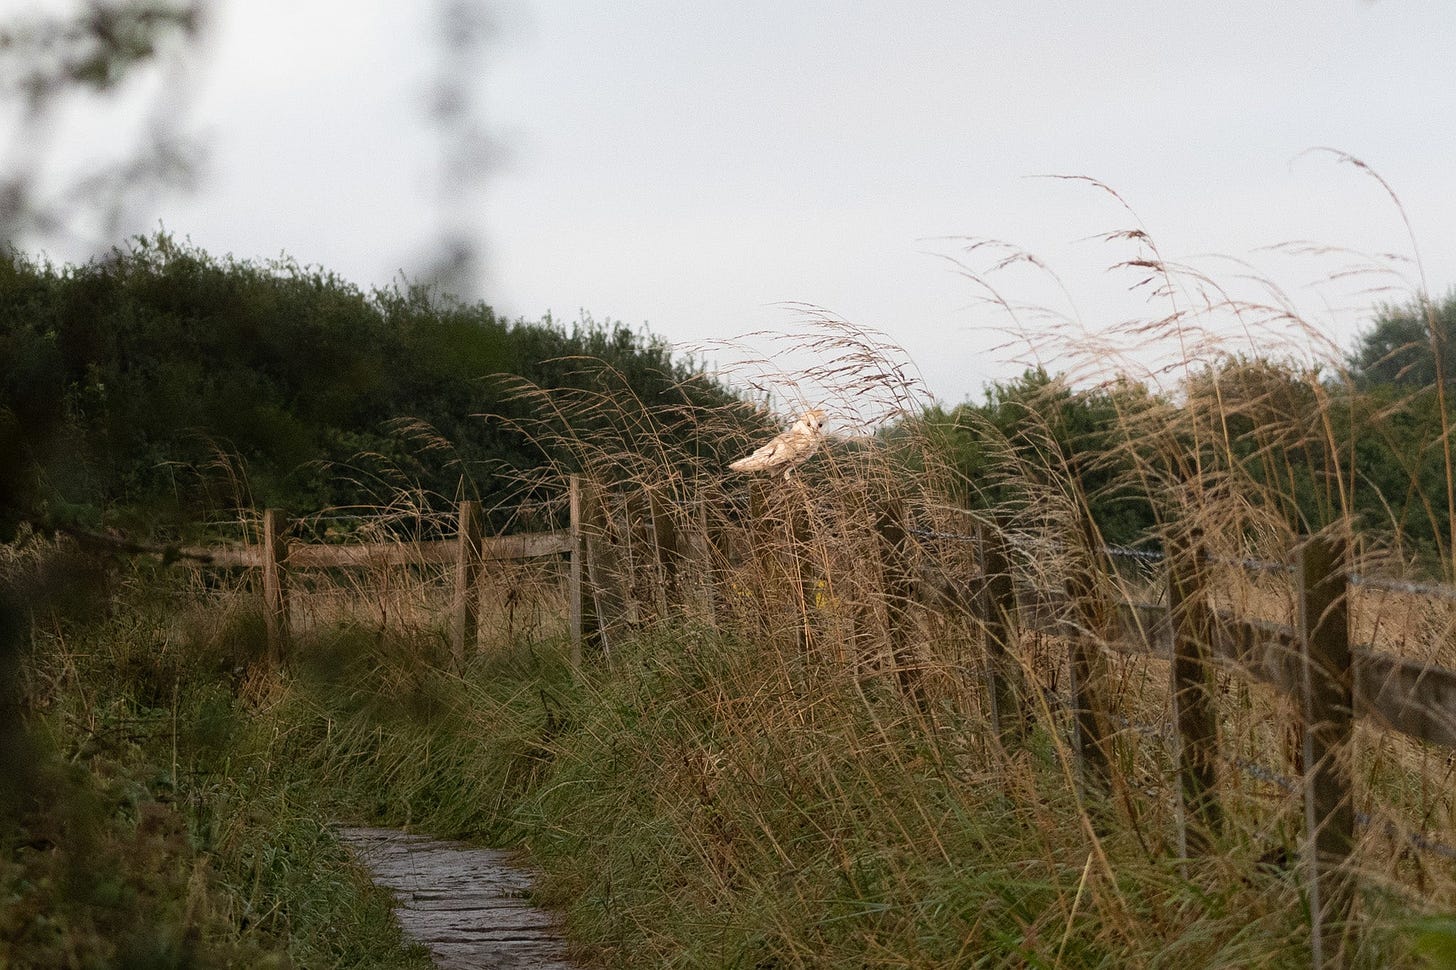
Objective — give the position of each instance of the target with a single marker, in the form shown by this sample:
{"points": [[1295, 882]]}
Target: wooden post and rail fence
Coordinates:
{"points": [[466, 554], [1333, 681], [1313, 661]]}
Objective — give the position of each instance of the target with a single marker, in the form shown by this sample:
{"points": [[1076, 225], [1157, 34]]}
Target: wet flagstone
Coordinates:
{"points": [[466, 904]]}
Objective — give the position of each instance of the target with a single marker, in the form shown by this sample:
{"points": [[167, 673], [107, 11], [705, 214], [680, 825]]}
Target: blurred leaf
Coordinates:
{"points": [[1436, 942]]}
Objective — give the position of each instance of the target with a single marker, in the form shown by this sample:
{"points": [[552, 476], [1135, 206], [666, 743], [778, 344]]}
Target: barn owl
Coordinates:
{"points": [[790, 449]]}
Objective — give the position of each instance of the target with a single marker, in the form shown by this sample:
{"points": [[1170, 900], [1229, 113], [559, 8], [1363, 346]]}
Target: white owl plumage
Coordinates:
{"points": [[787, 451]]}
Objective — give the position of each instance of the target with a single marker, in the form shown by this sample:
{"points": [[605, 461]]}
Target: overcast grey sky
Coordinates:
{"points": [[693, 165]]}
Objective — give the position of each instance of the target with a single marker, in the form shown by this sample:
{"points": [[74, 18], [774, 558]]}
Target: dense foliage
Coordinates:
{"points": [[167, 379], [1397, 347], [1308, 444], [1038, 433]]}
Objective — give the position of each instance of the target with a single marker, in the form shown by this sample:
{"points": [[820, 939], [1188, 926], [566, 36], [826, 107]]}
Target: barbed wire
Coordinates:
{"points": [[940, 534], [1141, 555], [1437, 590], [1390, 585]]}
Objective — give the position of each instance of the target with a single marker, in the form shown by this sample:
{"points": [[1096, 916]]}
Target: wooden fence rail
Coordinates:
{"points": [[1409, 697], [428, 552], [468, 553], [1313, 661]]}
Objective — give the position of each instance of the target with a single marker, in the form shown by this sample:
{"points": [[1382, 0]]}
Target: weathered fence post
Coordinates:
{"points": [[716, 558], [1327, 705], [604, 572], [801, 545], [758, 522], [763, 554], [593, 632], [899, 588], [1004, 680], [275, 585], [623, 521], [573, 593], [1084, 666], [466, 628], [1193, 707], [667, 551]]}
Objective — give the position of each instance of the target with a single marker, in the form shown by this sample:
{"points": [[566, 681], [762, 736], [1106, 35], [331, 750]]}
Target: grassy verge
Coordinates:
{"points": [[150, 826], [705, 802]]}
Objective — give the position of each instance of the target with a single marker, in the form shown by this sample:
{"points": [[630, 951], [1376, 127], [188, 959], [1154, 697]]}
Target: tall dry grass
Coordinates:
{"points": [[790, 678]]}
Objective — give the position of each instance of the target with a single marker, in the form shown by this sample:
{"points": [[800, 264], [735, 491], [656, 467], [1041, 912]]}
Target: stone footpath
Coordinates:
{"points": [[468, 905]]}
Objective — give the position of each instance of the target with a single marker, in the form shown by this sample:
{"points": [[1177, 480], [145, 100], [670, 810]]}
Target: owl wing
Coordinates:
{"points": [[776, 452]]}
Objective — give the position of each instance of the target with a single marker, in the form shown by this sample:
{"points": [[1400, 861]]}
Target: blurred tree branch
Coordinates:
{"points": [[93, 51]]}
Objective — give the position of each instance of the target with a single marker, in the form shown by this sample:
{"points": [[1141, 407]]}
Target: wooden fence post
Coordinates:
{"points": [[275, 585], [593, 630], [762, 553], [608, 611], [1004, 680], [573, 594], [1084, 666], [1193, 707], [466, 628], [1327, 705], [894, 556], [644, 598], [667, 551], [758, 524], [715, 558], [801, 545]]}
